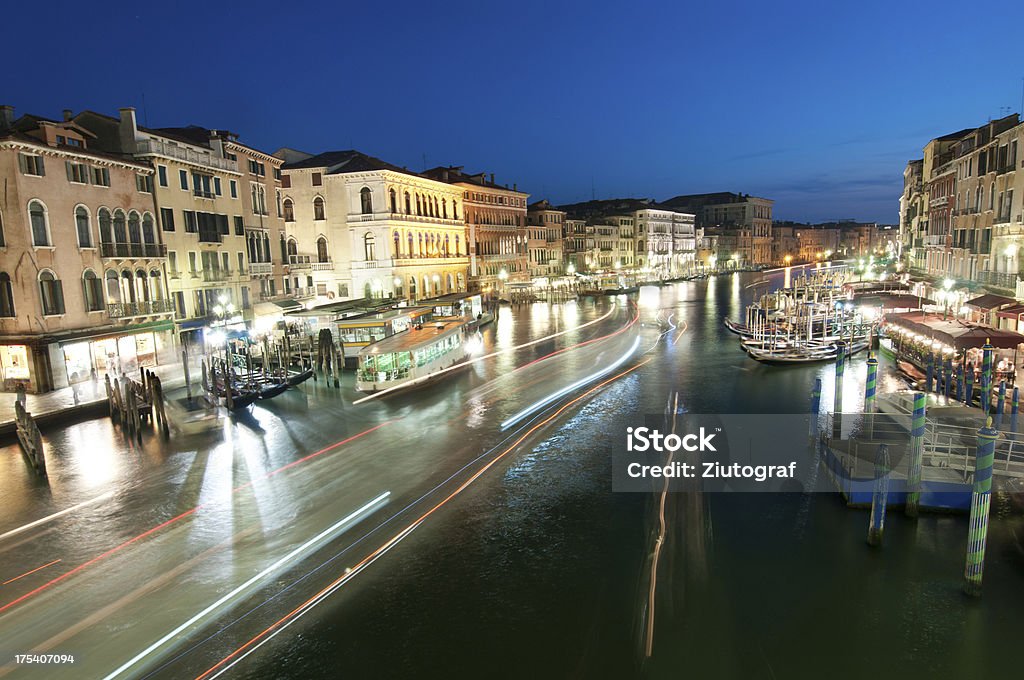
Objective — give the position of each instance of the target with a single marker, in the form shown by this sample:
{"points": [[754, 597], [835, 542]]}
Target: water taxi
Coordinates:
{"points": [[411, 355]]}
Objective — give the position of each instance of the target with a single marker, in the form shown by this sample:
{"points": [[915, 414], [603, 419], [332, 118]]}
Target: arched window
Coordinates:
{"points": [[40, 224], [444, 208], [293, 247], [318, 208], [289, 210], [369, 252], [408, 203], [394, 200], [92, 288], [398, 242], [142, 285], [457, 251], [366, 200], [6, 295], [447, 250], [409, 253], [134, 232], [113, 287], [128, 285], [148, 233], [106, 233], [321, 250], [455, 210], [51, 292], [82, 227], [120, 232], [156, 285]]}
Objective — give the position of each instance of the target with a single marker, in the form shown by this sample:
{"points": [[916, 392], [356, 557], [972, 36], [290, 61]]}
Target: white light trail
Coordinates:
{"points": [[463, 364], [354, 516], [48, 518], [536, 406]]}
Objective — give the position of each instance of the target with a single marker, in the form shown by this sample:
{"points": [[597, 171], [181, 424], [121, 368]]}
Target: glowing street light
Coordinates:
{"points": [[788, 259]]}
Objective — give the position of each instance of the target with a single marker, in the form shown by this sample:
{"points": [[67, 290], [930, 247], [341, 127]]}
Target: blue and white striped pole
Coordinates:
{"points": [[948, 373], [970, 384], [840, 371], [929, 372], [959, 382], [986, 377], [917, 425], [981, 497], [880, 497]]}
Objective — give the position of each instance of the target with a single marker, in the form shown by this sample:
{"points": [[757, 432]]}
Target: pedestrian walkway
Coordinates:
{"points": [[84, 398]]}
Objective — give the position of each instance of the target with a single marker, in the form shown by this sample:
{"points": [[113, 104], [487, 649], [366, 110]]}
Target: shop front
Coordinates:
{"points": [[14, 366], [93, 359]]}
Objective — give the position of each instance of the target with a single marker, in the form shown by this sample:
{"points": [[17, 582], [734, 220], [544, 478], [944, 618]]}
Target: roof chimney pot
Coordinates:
{"points": [[67, 115], [6, 116]]}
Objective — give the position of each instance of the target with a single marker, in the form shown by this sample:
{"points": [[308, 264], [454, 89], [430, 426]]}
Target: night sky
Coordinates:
{"points": [[818, 105]]}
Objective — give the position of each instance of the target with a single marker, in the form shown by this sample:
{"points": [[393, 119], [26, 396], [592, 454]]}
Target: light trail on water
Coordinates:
{"points": [[254, 643]]}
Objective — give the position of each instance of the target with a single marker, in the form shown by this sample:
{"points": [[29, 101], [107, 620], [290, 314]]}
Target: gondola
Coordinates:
{"points": [[271, 390], [299, 378]]}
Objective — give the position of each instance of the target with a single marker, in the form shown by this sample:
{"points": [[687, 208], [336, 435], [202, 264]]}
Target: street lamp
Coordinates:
{"points": [[571, 269], [735, 260], [788, 259], [947, 286]]}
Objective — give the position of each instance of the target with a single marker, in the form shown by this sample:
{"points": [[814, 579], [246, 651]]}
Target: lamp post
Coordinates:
{"points": [[712, 262], [223, 311], [947, 286], [735, 259], [503, 277]]}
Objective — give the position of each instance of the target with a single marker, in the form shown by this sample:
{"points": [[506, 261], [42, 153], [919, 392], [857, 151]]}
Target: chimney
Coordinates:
{"points": [[128, 131], [514, 187], [492, 178], [67, 115], [6, 116]]}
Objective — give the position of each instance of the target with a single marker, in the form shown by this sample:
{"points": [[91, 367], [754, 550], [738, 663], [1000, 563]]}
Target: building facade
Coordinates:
{"points": [[748, 216], [374, 230], [547, 234], [83, 280]]}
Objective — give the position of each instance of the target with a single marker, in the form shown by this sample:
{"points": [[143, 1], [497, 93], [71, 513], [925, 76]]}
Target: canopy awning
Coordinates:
{"points": [[893, 301], [1011, 312], [954, 332], [990, 301]]}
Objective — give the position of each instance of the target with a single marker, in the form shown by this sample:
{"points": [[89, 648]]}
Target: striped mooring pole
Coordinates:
{"points": [[1000, 403], [947, 371], [916, 455], [880, 496], [959, 382], [970, 384], [815, 407], [929, 372], [981, 497], [986, 377], [840, 370], [1015, 401], [870, 400]]}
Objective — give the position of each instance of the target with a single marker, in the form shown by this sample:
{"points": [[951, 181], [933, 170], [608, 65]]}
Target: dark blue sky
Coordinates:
{"points": [[815, 104]]}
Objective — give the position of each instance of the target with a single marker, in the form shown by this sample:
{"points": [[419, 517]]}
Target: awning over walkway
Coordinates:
{"points": [[1011, 312], [954, 332], [990, 301], [894, 301]]}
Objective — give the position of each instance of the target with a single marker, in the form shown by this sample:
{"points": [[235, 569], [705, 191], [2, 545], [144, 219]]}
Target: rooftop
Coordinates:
{"points": [[412, 339]]}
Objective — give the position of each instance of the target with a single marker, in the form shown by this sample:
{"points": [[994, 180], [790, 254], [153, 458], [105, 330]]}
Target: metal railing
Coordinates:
{"points": [[158, 146], [121, 310], [133, 250], [1005, 280], [261, 267]]}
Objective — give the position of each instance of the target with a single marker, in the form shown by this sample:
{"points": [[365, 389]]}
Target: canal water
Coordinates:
{"points": [[540, 570]]}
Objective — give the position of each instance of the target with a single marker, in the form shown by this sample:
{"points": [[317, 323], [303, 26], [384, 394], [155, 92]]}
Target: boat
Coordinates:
{"points": [[411, 356], [294, 379], [272, 389]]}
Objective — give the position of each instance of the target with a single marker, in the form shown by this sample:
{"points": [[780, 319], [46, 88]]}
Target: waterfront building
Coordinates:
{"points": [[547, 240], [972, 227], [662, 241], [198, 191], [913, 215], [579, 245], [496, 229], [748, 217], [371, 229], [83, 284]]}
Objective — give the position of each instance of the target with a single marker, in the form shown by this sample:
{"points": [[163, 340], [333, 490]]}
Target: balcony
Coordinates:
{"points": [[1005, 280], [258, 268], [322, 266], [402, 217], [125, 310], [935, 240], [184, 153], [300, 262], [214, 275], [133, 250]]}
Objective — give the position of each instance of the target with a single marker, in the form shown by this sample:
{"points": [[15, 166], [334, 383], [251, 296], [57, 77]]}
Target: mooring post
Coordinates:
{"points": [[917, 424], [184, 366], [970, 384], [947, 371], [959, 382], [206, 377], [929, 372], [837, 409], [986, 377], [1000, 403], [981, 497], [870, 399], [880, 497]]}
